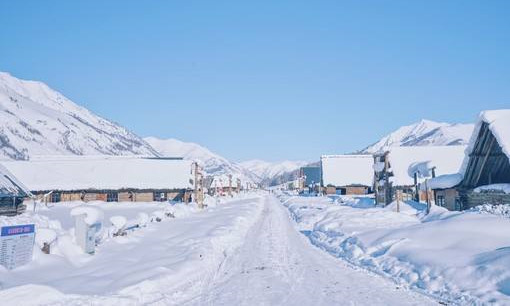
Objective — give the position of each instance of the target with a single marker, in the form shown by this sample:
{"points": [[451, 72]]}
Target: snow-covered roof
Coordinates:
{"points": [[10, 185], [102, 173], [405, 160], [499, 125], [345, 170], [445, 181]]}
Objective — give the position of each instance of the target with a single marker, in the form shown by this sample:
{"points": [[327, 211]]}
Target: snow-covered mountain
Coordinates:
{"points": [[270, 170], [425, 133], [37, 120], [212, 162]]}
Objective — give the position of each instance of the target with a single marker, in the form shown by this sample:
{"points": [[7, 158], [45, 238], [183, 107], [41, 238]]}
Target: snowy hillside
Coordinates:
{"points": [[212, 162], [425, 133], [269, 170], [37, 120]]}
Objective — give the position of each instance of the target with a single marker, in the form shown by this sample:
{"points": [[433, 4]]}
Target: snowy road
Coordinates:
{"points": [[277, 265], [245, 251]]}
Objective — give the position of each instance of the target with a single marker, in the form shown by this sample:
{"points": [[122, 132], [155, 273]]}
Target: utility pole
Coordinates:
{"points": [[387, 187], [230, 185], [417, 191], [199, 190], [427, 196], [376, 183], [398, 200]]}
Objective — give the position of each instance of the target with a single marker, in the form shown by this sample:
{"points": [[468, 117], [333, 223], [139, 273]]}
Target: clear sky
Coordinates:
{"points": [[266, 79]]}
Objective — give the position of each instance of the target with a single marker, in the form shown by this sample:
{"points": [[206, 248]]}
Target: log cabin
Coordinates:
{"points": [[105, 178]]}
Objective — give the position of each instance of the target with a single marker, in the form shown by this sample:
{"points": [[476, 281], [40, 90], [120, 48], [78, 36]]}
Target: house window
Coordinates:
{"points": [[112, 197], [160, 197], [55, 197], [440, 201]]}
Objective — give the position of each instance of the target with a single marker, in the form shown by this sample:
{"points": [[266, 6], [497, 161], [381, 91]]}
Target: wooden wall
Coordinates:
{"points": [[356, 190]]}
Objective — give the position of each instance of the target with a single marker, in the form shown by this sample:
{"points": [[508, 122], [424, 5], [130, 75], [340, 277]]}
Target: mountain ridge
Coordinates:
{"points": [[37, 120]]}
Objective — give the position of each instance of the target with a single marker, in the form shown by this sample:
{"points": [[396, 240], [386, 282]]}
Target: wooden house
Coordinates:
{"points": [[105, 178], [12, 194], [406, 169], [484, 177], [347, 174]]}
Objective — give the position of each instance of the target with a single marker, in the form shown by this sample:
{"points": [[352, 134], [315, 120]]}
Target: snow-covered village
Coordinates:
{"points": [[254, 153]]}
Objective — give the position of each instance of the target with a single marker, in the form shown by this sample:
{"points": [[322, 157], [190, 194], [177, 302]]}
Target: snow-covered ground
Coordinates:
{"points": [[457, 257], [149, 265], [242, 251]]}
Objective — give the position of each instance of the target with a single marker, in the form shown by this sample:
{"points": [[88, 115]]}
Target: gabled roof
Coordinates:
{"points": [[102, 172], [405, 160], [10, 185], [347, 170], [497, 122]]}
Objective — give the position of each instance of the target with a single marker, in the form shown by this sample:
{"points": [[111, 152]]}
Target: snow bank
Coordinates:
{"points": [[149, 265], [459, 257], [505, 188], [502, 210], [92, 214]]}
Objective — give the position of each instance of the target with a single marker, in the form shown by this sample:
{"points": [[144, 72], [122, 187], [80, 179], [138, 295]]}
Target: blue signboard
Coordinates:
{"points": [[16, 245], [18, 230]]}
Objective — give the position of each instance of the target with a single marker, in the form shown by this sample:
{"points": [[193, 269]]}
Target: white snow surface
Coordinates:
{"points": [[345, 170], [245, 251], [92, 214], [446, 159], [458, 257], [424, 133], [37, 120], [445, 181], [102, 172], [505, 188]]}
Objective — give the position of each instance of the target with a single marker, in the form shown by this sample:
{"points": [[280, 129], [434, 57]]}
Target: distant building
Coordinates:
{"points": [[347, 174], [105, 178], [309, 176], [484, 177], [224, 184], [407, 168], [12, 194]]}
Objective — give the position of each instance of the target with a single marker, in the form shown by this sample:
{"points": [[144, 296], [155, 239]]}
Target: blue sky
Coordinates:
{"points": [[285, 80]]}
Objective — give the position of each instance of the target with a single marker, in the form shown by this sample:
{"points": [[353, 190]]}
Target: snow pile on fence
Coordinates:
{"points": [[498, 210], [457, 257], [505, 188]]}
